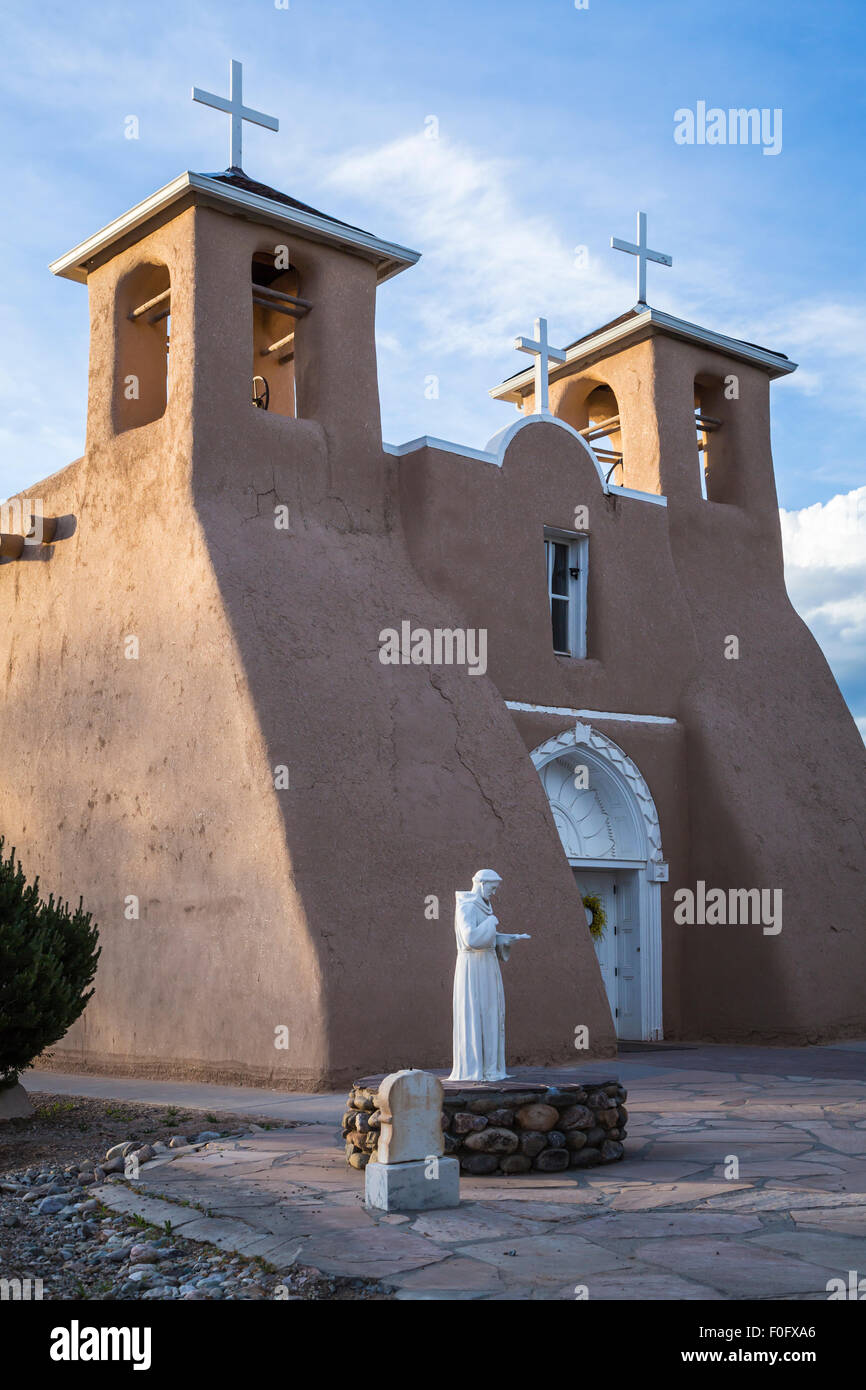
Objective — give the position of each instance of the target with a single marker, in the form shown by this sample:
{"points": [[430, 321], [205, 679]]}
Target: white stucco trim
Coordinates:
{"points": [[390, 257], [584, 741], [657, 497], [500, 441], [497, 447], [773, 362], [588, 713], [427, 441], [584, 736]]}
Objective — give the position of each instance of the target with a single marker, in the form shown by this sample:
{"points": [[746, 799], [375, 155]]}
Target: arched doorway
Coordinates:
{"points": [[609, 828]]}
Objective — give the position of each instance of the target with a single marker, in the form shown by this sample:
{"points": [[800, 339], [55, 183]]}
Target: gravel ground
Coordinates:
{"points": [[52, 1230]]}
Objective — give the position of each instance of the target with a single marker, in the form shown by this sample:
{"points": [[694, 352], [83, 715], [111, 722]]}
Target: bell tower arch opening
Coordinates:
{"points": [[143, 337], [278, 309], [590, 406], [609, 829], [603, 430], [716, 453]]}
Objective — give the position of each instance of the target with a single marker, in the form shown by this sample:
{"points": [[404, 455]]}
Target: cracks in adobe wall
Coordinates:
{"points": [[271, 492], [395, 762], [460, 756], [849, 820], [352, 528]]}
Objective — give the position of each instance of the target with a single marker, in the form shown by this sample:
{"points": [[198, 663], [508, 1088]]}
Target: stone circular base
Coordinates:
{"points": [[508, 1126]]}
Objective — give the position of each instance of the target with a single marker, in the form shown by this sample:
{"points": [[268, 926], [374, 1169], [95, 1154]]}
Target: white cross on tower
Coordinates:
{"points": [[543, 354], [235, 108], [643, 255]]}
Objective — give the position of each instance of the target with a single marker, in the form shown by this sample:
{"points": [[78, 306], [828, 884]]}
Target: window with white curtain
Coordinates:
{"points": [[566, 587]]}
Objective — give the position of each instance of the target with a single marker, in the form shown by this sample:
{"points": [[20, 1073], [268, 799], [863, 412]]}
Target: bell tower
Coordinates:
{"points": [[669, 408], [673, 409], [230, 322]]}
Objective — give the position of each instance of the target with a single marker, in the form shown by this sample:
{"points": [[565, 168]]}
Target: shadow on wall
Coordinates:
{"points": [[36, 541]]}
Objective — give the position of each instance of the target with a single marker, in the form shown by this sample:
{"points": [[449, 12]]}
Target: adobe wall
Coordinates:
{"points": [[145, 777], [777, 765], [303, 907], [765, 787], [405, 779]]}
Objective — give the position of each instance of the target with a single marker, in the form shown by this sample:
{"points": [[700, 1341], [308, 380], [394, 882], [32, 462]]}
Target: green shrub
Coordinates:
{"points": [[48, 957]]}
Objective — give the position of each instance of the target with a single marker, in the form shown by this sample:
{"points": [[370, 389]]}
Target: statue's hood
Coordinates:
{"points": [[473, 895]]}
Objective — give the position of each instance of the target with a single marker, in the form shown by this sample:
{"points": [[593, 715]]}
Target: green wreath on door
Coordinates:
{"points": [[592, 902]]}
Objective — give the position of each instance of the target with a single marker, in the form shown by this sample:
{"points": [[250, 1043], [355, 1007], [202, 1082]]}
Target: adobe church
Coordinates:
{"points": [[205, 736]]}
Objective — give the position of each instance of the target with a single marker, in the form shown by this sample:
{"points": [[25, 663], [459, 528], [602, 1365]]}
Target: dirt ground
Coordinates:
{"points": [[77, 1129], [87, 1251]]}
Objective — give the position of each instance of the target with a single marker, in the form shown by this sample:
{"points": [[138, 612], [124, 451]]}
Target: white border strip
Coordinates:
{"points": [[72, 264], [511, 389], [588, 713], [426, 441], [503, 439], [657, 498]]}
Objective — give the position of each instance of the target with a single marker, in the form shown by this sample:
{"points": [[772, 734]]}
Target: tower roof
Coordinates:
{"points": [[633, 327], [233, 191]]}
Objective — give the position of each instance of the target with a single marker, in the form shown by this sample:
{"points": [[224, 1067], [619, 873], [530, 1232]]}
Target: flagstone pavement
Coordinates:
{"points": [[744, 1177]]}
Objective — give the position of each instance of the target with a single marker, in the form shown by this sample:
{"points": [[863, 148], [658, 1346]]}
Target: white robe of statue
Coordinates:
{"points": [[479, 998]]}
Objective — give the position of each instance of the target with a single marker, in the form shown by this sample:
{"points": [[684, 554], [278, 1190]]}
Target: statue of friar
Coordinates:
{"points": [[479, 999]]}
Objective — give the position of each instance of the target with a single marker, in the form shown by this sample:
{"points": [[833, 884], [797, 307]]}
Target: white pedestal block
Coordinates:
{"points": [[416, 1186]]}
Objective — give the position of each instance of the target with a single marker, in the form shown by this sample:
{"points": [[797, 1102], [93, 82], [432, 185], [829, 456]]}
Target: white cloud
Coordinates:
{"points": [[828, 535], [831, 339], [489, 266], [825, 571], [493, 260]]}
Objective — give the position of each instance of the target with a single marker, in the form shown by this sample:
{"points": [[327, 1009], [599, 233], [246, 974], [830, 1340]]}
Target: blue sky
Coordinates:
{"points": [[554, 125]]}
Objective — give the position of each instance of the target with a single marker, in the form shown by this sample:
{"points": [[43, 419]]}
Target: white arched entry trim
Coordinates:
{"points": [[607, 819]]}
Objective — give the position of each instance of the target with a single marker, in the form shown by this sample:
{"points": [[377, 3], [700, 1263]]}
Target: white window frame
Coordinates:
{"points": [[578, 558]]}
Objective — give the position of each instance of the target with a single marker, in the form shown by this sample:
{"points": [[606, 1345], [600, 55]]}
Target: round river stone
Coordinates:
{"points": [[552, 1161], [539, 1117], [493, 1141]]}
